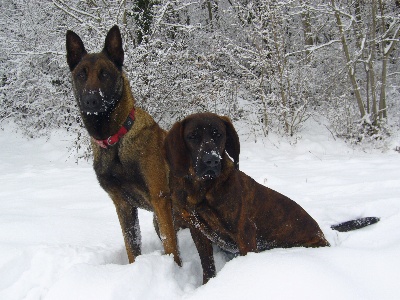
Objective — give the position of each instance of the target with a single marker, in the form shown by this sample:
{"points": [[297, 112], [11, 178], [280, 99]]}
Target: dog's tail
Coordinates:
{"points": [[355, 224]]}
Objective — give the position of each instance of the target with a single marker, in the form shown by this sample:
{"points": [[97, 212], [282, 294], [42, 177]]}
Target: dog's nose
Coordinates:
{"points": [[91, 102], [211, 159]]}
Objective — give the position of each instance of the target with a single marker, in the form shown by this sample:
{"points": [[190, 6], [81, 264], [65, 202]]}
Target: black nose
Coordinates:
{"points": [[211, 159], [91, 102]]}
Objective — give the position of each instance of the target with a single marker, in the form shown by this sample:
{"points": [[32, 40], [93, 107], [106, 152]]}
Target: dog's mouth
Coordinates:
{"points": [[93, 112], [209, 174], [90, 112]]}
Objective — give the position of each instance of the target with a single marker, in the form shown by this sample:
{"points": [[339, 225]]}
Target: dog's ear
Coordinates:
{"points": [[113, 47], [232, 145], [75, 49], [176, 151]]}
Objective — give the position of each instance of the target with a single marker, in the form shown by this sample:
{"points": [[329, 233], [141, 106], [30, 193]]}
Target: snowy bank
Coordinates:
{"points": [[60, 237]]}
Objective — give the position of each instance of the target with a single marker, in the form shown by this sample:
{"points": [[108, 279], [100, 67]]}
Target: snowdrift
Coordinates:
{"points": [[60, 237]]}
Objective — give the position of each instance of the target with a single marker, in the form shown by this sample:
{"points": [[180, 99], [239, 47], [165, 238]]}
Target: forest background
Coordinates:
{"points": [[269, 64]]}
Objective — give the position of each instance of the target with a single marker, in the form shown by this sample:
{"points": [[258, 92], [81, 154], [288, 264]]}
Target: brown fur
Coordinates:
{"points": [[224, 205], [133, 172]]}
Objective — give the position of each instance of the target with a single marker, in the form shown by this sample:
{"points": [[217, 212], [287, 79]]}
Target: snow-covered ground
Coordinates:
{"points": [[60, 237]]}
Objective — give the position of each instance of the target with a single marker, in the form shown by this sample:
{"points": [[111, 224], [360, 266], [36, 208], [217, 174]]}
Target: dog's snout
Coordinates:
{"points": [[211, 159], [91, 102]]}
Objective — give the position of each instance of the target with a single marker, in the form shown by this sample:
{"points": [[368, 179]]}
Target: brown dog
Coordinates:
{"points": [[127, 143], [221, 204]]}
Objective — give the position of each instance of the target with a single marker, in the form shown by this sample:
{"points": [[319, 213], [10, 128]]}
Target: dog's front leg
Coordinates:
{"points": [[214, 221], [205, 250], [216, 234], [129, 221], [163, 212], [247, 235]]}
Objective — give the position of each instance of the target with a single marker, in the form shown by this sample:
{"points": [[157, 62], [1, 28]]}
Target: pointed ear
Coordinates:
{"points": [[113, 47], [232, 145], [75, 49], [176, 151]]}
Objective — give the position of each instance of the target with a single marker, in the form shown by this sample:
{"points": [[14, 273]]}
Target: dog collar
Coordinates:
{"points": [[113, 139]]}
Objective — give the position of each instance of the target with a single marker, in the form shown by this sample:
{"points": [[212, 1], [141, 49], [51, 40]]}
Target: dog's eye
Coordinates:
{"points": [[82, 74], [104, 74], [193, 136], [216, 133]]}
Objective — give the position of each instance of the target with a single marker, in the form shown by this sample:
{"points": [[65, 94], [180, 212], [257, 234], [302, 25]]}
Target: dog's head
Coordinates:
{"points": [[97, 78], [199, 141]]}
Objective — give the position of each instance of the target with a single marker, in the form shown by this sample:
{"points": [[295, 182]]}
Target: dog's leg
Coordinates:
{"points": [[205, 250], [163, 212], [129, 221], [247, 241], [127, 215], [216, 233], [214, 222]]}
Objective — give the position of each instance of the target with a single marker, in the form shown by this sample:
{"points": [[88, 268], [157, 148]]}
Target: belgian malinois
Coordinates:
{"points": [[127, 143]]}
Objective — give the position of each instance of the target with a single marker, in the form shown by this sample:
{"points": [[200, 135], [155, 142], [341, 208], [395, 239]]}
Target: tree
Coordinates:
{"points": [[270, 64], [367, 36]]}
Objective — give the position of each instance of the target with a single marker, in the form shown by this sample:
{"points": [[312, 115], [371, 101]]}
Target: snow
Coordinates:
{"points": [[60, 237]]}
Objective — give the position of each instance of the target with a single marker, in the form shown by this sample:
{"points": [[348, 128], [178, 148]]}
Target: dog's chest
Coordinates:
{"points": [[122, 178]]}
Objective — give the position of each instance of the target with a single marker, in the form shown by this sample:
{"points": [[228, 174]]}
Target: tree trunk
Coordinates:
{"points": [[306, 23], [386, 51], [371, 63], [351, 70]]}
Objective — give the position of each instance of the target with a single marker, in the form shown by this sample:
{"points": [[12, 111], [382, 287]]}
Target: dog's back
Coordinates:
{"points": [[280, 221]]}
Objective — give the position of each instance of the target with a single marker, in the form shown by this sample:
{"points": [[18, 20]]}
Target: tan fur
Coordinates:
{"points": [[142, 145], [133, 171]]}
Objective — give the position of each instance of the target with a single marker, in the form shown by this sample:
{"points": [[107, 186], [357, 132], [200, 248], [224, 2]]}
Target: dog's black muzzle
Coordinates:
{"points": [[94, 103], [209, 165]]}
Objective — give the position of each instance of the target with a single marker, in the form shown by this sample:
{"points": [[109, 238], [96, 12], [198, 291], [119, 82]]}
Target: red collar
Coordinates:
{"points": [[112, 140]]}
